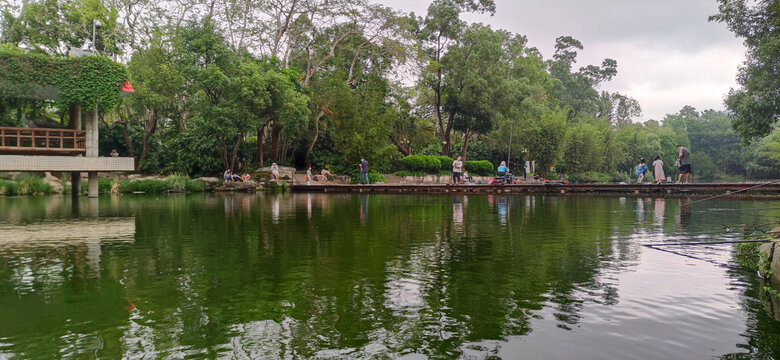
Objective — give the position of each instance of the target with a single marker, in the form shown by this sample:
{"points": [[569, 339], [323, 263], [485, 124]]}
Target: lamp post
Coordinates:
{"points": [[96, 25], [92, 130]]}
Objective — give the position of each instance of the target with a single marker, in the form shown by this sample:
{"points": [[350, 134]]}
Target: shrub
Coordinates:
{"points": [[446, 162], [8, 188], [588, 177], [177, 183], [33, 185], [422, 163], [617, 176], [373, 177], [480, 167], [147, 186]]}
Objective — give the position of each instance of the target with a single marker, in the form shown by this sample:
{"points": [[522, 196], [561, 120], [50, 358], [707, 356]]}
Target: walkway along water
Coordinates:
{"points": [[768, 190]]}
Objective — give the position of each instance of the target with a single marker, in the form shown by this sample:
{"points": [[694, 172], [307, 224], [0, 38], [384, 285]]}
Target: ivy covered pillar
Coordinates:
{"points": [[91, 121], [74, 115]]}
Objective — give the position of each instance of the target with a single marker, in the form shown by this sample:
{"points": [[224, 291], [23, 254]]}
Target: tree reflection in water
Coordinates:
{"points": [[358, 276]]}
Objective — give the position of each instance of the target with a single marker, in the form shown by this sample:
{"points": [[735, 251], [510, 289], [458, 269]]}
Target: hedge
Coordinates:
{"points": [[446, 162], [422, 163], [480, 167]]}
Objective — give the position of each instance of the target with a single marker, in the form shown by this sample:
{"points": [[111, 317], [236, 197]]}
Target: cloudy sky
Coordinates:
{"points": [[668, 54]]}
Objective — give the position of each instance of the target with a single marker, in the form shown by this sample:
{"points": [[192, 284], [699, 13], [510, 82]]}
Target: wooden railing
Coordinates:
{"points": [[39, 141]]}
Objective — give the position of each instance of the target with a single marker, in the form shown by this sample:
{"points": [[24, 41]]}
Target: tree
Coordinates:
{"points": [[55, 26], [544, 137], [618, 109], [577, 90], [756, 105], [440, 28], [225, 89], [159, 87]]}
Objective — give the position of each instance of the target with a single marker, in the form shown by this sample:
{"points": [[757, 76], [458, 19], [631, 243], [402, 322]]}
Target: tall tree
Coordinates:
{"points": [[756, 105], [441, 27]]}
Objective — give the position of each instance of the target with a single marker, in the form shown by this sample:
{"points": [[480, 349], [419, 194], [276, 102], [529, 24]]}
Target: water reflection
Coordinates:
{"points": [[316, 275]]}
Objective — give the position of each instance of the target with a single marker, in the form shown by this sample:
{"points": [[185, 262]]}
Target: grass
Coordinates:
{"points": [[173, 183], [27, 184]]}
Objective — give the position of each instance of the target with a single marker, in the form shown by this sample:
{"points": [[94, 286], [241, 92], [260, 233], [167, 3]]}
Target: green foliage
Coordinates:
{"points": [[373, 178], [422, 163], [56, 26], [748, 255], [182, 183], [590, 177], [480, 167], [33, 185], [756, 105], [446, 162], [173, 183], [8, 188], [87, 79]]}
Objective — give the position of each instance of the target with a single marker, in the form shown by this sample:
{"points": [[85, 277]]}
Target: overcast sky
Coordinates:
{"points": [[668, 54]]}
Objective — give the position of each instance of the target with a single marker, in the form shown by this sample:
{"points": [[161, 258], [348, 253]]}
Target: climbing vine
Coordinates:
{"points": [[87, 79]]}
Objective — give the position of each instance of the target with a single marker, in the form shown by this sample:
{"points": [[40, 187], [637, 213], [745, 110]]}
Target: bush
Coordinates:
{"points": [[8, 188], [422, 163], [589, 177], [33, 185], [147, 186], [617, 176], [182, 183], [480, 167], [446, 162], [373, 177]]}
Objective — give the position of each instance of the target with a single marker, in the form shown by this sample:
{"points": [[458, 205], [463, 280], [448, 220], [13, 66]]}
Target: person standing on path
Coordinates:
{"points": [[684, 156], [363, 170], [641, 169], [658, 169], [308, 176], [457, 169]]}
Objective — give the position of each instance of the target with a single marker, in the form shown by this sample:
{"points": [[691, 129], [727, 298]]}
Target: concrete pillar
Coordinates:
{"points": [[92, 184], [75, 124], [91, 122]]}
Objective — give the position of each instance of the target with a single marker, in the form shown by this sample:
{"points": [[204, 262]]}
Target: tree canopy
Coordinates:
{"points": [[323, 83]]}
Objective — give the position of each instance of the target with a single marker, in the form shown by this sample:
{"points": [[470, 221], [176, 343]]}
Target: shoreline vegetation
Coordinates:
{"points": [[36, 185], [327, 93]]}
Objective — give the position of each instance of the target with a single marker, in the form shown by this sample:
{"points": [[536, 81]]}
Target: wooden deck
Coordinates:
{"points": [[544, 188], [40, 141]]}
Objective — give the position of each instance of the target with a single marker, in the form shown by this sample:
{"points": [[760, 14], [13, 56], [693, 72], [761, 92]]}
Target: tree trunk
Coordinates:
{"points": [[276, 132], [223, 152], [260, 138], [316, 135], [152, 126], [235, 151], [405, 152], [465, 146], [260, 142]]}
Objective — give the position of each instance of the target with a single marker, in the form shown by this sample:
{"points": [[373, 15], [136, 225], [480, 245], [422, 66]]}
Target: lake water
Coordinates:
{"points": [[335, 276]]}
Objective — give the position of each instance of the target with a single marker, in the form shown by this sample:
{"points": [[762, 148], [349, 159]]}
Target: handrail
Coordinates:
{"points": [[43, 140]]}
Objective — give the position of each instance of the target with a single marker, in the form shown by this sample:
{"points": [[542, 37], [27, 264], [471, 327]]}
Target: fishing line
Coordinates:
{"points": [[720, 264], [735, 192]]}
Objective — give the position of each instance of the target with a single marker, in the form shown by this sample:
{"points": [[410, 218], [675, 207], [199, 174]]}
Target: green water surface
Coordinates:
{"points": [[339, 276]]}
